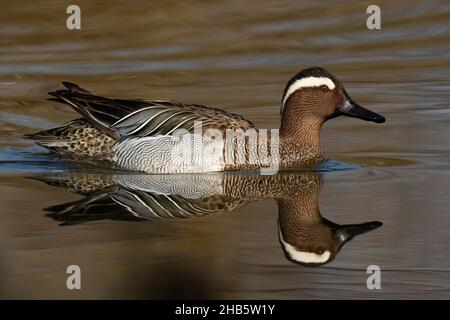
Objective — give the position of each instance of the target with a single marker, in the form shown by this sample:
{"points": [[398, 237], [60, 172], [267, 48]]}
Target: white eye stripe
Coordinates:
{"points": [[308, 83]]}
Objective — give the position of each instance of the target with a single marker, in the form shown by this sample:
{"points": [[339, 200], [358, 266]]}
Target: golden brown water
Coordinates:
{"points": [[237, 56]]}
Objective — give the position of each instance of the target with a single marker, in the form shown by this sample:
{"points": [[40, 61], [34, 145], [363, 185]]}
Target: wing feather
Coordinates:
{"points": [[121, 118]]}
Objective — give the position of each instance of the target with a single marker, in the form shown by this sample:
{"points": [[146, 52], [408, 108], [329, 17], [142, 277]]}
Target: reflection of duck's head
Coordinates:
{"points": [[309, 239]]}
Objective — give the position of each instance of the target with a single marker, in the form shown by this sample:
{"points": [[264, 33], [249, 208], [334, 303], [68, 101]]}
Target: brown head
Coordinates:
{"points": [[314, 96]]}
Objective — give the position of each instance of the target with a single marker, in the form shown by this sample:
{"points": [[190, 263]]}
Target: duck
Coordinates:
{"points": [[144, 135], [305, 236]]}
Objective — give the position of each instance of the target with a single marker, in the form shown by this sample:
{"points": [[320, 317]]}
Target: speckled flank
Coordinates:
{"points": [[77, 138]]}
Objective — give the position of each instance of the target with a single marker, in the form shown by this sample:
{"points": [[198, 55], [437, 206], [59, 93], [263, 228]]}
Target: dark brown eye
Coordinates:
{"points": [[324, 88]]}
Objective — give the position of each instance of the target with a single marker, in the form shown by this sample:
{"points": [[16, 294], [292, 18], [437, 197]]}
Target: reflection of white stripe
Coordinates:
{"points": [[124, 205], [182, 211], [197, 209], [307, 83], [160, 205], [304, 256]]}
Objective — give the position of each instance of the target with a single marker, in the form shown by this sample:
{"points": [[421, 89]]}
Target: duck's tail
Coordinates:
{"points": [[49, 137], [79, 137], [76, 138]]}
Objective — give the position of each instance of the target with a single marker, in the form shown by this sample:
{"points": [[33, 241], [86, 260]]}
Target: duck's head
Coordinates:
{"points": [[318, 244], [316, 94]]}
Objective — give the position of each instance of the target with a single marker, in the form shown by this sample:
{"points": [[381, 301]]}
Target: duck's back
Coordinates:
{"points": [[119, 129]]}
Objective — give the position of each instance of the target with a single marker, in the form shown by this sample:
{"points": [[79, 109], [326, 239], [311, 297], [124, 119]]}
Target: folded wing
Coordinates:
{"points": [[133, 117]]}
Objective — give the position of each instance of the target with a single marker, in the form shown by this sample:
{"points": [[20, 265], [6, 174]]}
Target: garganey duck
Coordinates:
{"points": [[140, 134]]}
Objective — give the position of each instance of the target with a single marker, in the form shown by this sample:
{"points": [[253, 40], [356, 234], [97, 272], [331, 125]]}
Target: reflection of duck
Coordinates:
{"points": [[306, 237], [139, 134]]}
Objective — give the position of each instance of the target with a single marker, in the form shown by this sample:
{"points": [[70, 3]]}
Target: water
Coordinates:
{"points": [[236, 56]]}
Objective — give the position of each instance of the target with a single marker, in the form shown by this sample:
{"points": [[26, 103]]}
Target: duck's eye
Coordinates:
{"points": [[324, 88], [320, 250]]}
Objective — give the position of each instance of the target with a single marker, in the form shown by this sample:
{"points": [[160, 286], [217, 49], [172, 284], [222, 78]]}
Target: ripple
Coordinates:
{"points": [[35, 160]]}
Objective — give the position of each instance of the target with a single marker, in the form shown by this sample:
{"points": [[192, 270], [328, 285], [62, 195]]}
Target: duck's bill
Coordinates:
{"points": [[352, 109]]}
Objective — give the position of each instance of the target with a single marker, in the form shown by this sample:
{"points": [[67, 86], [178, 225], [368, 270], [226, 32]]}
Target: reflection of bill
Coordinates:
{"points": [[210, 150], [305, 236]]}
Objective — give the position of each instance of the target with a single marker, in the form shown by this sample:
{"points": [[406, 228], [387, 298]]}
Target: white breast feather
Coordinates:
{"points": [[190, 153]]}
